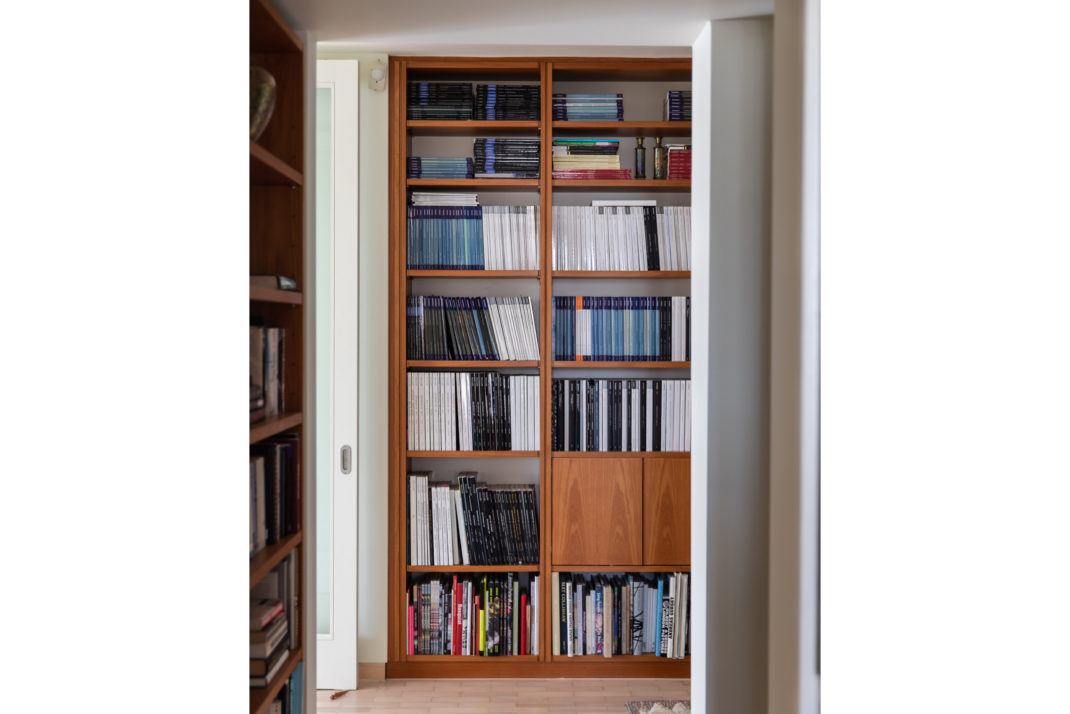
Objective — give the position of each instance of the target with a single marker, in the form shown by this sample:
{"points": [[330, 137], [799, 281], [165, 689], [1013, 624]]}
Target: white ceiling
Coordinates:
{"points": [[655, 28]]}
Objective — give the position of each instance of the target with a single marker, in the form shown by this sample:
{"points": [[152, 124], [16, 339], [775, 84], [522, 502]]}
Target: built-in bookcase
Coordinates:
{"points": [[599, 512], [277, 246]]}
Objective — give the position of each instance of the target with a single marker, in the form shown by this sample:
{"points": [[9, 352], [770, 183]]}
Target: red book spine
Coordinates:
{"points": [[410, 642], [458, 611]]}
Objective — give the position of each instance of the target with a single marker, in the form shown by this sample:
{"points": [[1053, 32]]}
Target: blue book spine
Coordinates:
{"points": [[657, 624]]}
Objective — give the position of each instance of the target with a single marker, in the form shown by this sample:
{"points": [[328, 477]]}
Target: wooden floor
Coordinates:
{"points": [[502, 696]]}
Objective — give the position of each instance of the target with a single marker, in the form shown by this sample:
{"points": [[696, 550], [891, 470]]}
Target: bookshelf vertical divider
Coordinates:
{"points": [[401, 282]]}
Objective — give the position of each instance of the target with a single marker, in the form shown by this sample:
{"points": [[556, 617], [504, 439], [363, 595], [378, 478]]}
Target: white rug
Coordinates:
{"points": [[676, 706]]}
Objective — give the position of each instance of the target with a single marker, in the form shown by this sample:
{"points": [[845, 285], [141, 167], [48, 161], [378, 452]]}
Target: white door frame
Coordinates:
{"points": [[336, 651]]}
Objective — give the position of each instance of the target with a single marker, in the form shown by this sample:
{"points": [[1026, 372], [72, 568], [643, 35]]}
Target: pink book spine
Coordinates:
{"points": [[409, 641]]}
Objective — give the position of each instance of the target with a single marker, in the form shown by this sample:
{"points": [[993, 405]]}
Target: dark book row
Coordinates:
{"points": [[267, 372], [472, 237], [509, 102], [588, 107], [455, 100], [621, 614], [470, 328], [291, 699], [274, 621], [442, 167], [491, 615], [620, 415], [472, 411], [506, 158], [274, 490], [629, 329], [678, 105], [471, 523]]}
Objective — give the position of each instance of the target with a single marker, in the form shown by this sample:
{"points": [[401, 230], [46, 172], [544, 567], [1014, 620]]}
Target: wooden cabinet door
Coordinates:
{"points": [[666, 511], [597, 512]]}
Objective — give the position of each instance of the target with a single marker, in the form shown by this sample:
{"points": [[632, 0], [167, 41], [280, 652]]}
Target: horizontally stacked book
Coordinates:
{"points": [[507, 102], [506, 158], [588, 107], [470, 523], [274, 622], [471, 328], [622, 235], [678, 105], [679, 161], [441, 167], [452, 232], [621, 614], [455, 101], [274, 491], [472, 411], [584, 158], [620, 415], [473, 615], [626, 329], [267, 372]]}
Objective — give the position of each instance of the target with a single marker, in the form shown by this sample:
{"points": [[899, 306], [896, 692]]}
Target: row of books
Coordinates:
{"points": [[678, 105], [470, 328], [506, 158], [439, 100], [493, 615], [274, 622], [442, 167], [620, 415], [267, 372], [587, 158], [679, 161], [630, 329], [473, 237], [470, 523], [444, 198], [472, 411], [508, 102], [610, 236], [621, 614], [274, 491], [291, 699], [568, 106]]}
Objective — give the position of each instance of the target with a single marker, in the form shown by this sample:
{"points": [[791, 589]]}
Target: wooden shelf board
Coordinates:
{"points": [[621, 568], [286, 297], [472, 273], [627, 128], [471, 568], [625, 184], [622, 274], [273, 425], [620, 454], [268, 31], [595, 666], [472, 454], [471, 659], [266, 169], [585, 364], [442, 127], [260, 698], [418, 363], [588, 659], [265, 561], [472, 183]]}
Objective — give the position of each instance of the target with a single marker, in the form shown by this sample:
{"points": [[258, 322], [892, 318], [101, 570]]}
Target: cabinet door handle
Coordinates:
{"points": [[347, 459]]}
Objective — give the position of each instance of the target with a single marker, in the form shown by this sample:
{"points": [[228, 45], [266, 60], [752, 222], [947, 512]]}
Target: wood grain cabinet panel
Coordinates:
{"points": [[666, 511], [597, 511]]}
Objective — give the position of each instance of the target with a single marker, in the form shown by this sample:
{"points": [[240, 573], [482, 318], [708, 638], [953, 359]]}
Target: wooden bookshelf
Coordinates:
{"points": [[277, 245], [651, 484]]}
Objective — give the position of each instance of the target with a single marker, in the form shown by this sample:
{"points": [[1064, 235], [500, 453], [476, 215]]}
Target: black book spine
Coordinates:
{"points": [[657, 416]]}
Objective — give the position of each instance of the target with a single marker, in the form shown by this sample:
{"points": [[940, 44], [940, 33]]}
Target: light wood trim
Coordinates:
{"points": [[371, 671], [265, 561], [472, 454], [626, 128], [472, 568], [472, 273], [274, 425], [432, 363], [626, 184], [267, 169], [432, 126], [286, 297], [467, 64], [597, 511], [545, 353], [622, 364], [662, 274], [261, 698]]}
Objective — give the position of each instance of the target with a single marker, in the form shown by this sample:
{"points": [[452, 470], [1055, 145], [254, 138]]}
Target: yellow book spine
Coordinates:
{"points": [[482, 629]]}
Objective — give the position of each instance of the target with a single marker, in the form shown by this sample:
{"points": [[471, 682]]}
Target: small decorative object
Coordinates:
{"points": [[261, 100], [661, 159], [640, 159]]}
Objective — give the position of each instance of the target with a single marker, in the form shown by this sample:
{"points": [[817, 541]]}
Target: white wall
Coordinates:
{"points": [[731, 84]]}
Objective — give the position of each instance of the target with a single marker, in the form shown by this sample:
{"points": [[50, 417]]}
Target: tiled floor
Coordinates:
{"points": [[502, 696]]}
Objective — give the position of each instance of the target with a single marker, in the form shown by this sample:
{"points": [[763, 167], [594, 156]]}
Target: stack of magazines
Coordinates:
{"points": [[439, 100], [507, 158]]}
